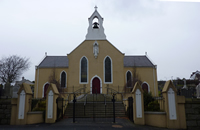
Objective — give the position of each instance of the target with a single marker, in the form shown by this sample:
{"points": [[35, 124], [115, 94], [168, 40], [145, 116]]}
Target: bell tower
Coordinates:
{"points": [[95, 29]]}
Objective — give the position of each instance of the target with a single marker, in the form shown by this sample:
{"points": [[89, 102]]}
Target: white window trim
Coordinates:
{"points": [[61, 78], [147, 85], [96, 76], [80, 70], [126, 77], [43, 88], [104, 70]]}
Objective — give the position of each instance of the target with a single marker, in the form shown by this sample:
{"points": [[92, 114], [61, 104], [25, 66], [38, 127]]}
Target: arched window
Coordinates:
{"points": [[145, 87], [63, 79], [84, 70], [107, 70], [128, 79]]}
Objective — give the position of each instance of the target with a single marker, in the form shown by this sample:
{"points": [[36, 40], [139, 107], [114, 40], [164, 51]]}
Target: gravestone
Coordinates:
{"points": [[15, 90], [185, 86], [198, 91]]}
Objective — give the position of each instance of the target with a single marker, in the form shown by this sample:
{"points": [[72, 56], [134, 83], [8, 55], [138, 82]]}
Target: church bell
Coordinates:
{"points": [[95, 25]]}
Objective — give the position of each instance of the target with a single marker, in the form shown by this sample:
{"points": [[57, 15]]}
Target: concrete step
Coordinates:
{"points": [[95, 109], [94, 97]]}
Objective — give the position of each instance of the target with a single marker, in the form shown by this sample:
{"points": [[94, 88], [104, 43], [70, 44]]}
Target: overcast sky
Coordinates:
{"points": [[168, 31]]}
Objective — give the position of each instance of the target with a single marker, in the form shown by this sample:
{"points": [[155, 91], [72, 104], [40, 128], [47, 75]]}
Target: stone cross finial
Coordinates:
{"points": [[95, 7]]}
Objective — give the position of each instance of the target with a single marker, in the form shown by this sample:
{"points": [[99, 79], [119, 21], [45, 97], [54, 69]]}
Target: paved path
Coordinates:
{"points": [[85, 124]]}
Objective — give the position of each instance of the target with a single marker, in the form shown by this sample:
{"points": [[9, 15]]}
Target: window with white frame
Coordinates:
{"points": [[107, 70], [45, 87], [128, 79], [63, 79], [145, 87], [84, 70]]}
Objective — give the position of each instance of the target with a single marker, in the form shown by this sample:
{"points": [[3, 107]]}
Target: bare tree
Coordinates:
{"points": [[12, 67], [128, 87], [53, 79]]}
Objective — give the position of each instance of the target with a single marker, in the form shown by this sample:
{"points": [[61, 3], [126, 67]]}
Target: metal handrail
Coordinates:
{"points": [[77, 91], [115, 92], [105, 99], [85, 100]]}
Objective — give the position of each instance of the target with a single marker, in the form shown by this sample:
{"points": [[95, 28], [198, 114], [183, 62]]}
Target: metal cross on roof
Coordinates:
{"points": [[95, 7]]}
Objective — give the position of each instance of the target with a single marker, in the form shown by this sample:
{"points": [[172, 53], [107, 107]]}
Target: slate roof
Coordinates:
{"points": [[54, 61], [138, 61], [62, 61]]}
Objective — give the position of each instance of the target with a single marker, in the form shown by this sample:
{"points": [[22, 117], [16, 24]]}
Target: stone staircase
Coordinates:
{"points": [[95, 107]]}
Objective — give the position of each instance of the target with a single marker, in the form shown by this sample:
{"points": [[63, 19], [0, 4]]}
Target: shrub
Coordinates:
{"points": [[147, 99], [150, 104], [41, 106], [154, 106]]}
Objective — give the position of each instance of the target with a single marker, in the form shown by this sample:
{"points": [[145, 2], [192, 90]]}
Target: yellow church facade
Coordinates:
{"points": [[95, 64]]}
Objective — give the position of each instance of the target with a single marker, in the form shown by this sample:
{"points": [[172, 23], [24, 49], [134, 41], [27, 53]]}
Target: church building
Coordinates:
{"points": [[95, 64]]}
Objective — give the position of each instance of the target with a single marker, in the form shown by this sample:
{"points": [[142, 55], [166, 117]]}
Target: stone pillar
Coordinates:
{"points": [[138, 105], [13, 111], [170, 96], [51, 105], [5, 112], [23, 106]]}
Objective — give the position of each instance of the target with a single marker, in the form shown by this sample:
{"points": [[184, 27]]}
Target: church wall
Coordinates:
{"points": [[96, 65], [44, 74], [145, 74]]}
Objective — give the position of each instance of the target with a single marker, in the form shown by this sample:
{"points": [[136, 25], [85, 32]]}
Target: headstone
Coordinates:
{"points": [[15, 90], [198, 91], [185, 86], [7, 89]]}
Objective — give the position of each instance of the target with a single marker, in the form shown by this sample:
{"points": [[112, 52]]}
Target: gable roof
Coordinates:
{"points": [[62, 61], [54, 61], [95, 13], [137, 61]]}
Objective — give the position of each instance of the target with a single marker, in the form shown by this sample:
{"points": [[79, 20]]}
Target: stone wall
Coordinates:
{"points": [[5, 111], [192, 111]]}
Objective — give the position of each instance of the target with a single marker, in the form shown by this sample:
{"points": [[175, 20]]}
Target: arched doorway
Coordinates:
{"points": [[45, 89], [145, 87], [96, 86]]}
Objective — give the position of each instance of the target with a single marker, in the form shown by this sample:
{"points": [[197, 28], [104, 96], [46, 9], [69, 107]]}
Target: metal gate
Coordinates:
{"points": [[130, 108], [60, 106], [94, 109]]}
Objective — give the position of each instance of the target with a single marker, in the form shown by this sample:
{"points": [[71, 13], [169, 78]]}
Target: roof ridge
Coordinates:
{"points": [[134, 55], [53, 56], [137, 60], [54, 61]]}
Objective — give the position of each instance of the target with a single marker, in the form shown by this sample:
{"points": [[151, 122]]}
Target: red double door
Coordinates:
{"points": [[96, 86]]}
